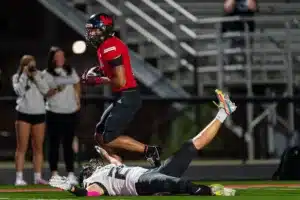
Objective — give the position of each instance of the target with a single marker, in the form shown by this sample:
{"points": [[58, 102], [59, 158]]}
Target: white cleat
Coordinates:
{"points": [[220, 190], [73, 179], [225, 102], [229, 192], [20, 182]]}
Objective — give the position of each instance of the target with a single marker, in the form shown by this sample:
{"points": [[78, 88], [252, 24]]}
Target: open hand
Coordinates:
{"points": [[60, 182]]}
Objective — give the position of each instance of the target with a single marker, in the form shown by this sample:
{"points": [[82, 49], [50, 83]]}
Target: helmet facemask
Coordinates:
{"points": [[97, 34]]}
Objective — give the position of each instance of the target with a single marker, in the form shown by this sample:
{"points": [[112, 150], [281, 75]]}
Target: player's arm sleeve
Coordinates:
{"points": [[19, 84], [113, 56], [93, 190], [75, 76], [115, 62], [69, 80], [49, 79]]}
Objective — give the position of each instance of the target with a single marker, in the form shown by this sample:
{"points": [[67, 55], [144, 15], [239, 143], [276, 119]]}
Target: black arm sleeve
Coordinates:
{"points": [[116, 62], [80, 192]]}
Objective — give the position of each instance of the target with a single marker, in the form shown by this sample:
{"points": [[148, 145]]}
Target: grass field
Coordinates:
{"points": [[245, 191]]}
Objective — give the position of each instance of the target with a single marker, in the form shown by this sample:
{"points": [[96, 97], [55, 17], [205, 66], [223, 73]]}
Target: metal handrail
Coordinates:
{"points": [[182, 10], [162, 29], [169, 17], [160, 11], [240, 18], [182, 27], [138, 28], [242, 34], [151, 21], [110, 7], [151, 37], [148, 35]]}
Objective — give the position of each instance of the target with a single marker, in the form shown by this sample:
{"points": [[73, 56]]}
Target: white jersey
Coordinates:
{"points": [[117, 180]]}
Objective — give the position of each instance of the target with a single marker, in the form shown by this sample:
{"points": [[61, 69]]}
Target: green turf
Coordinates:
{"points": [[270, 193]]}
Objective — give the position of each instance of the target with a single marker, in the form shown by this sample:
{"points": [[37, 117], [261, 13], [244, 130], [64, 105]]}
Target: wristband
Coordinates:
{"points": [[80, 192], [93, 194]]}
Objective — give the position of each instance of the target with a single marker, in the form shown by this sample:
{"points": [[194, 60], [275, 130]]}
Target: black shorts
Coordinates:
{"points": [[238, 25], [119, 114], [32, 119], [158, 180]]}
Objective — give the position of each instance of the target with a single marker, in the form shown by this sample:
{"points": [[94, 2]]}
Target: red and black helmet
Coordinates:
{"points": [[98, 28]]}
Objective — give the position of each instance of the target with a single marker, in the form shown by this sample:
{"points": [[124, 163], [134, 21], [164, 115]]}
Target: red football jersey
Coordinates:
{"points": [[110, 49]]}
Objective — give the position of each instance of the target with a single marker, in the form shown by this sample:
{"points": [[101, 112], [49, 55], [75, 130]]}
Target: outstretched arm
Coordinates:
{"points": [[93, 190], [110, 158], [64, 184]]}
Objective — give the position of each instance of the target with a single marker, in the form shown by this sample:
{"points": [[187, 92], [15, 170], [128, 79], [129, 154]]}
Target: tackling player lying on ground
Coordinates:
{"points": [[117, 179], [115, 69]]}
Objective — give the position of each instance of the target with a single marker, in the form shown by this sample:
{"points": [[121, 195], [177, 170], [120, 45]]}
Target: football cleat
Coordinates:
{"points": [[220, 190], [224, 102], [152, 154]]}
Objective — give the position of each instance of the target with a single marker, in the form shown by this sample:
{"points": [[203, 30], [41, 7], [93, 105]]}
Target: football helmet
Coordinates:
{"points": [[98, 28]]}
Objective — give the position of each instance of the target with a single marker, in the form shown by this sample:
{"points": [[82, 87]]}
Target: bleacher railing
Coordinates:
{"points": [[220, 52], [179, 46]]}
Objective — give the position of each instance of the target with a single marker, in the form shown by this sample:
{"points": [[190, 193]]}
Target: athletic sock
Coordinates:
{"points": [[37, 176], [222, 115], [19, 175]]}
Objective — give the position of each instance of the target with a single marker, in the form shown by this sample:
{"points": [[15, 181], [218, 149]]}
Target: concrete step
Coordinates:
{"points": [[190, 24], [151, 50], [208, 33]]}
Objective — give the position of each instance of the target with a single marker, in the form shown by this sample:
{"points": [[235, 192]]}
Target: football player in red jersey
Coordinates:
{"points": [[115, 69]]}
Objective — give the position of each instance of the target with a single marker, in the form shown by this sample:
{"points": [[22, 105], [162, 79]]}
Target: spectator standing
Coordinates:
{"points": [[62, 108], [30, 87], [243, 8]]}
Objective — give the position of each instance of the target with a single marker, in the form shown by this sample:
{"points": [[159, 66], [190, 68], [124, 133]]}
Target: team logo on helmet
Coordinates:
{"points": [[106, 20]]}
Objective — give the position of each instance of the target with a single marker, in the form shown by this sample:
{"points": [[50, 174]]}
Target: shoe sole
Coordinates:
{"points": [[221, 99]]}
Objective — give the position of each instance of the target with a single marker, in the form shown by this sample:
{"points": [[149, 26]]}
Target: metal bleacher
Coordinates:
{"points": [[181, 36], [178, 30]]}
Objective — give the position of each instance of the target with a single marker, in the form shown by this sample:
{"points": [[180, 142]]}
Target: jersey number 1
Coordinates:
{"points": [[118, 173]]}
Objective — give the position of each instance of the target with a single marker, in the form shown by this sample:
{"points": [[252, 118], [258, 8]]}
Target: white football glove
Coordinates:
{"points": [[60, 182], [92, 72]]}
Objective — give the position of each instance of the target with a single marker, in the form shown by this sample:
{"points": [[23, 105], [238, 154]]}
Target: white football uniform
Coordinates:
{"points": [[117, 180]]}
